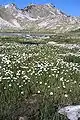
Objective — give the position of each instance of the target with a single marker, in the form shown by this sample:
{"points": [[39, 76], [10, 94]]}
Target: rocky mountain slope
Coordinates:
{"points": [[36, 18]]}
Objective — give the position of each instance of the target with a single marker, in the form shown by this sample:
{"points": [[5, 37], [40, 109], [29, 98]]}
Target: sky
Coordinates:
{"points": [[70, 7]]}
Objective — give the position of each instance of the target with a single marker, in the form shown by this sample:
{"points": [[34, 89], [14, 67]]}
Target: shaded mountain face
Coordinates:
{"points": [[36, 18]]}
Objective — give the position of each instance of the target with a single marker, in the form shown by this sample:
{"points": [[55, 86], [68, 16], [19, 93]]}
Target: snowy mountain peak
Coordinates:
{"points": [[50, 5], [12, 5]]}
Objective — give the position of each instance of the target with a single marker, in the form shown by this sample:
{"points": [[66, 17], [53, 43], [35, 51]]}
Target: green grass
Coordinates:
{"points": [[36, 80], [23, 40]]}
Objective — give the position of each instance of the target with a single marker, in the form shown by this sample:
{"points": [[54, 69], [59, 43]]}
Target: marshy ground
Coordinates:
{"points": [[37, 79]]}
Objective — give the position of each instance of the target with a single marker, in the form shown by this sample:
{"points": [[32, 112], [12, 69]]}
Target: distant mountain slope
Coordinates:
{"points": [[36, 18]]}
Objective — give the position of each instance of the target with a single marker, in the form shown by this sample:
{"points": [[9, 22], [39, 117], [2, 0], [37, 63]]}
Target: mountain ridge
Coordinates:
{"points": [[36, 18]]}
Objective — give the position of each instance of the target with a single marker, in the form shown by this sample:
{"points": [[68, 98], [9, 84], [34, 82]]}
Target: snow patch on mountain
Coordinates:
{"points": [[7, 6], [14, 21], [23, 16], [43, 24], [10, 5], [4, 23]]}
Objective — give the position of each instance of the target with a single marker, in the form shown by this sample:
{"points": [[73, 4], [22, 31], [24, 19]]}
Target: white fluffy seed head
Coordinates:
{"points": [[51, 93]]}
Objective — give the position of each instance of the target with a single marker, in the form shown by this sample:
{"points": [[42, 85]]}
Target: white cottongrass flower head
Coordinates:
{"points": [[22, 92], [10, 85], [51, 93], [66, 95], [45, 83], [40, 83], [49, 86], [39, 91]]}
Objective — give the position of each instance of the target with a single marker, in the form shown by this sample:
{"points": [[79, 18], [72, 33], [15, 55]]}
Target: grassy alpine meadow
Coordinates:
{"points": [[37, 80]]}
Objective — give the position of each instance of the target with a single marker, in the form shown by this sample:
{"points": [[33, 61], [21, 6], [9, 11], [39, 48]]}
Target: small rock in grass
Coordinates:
{"points": [[72, 112], [23, 118]]}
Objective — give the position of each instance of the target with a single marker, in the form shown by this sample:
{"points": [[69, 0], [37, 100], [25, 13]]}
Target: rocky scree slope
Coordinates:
{"points": [[36, 18]]}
